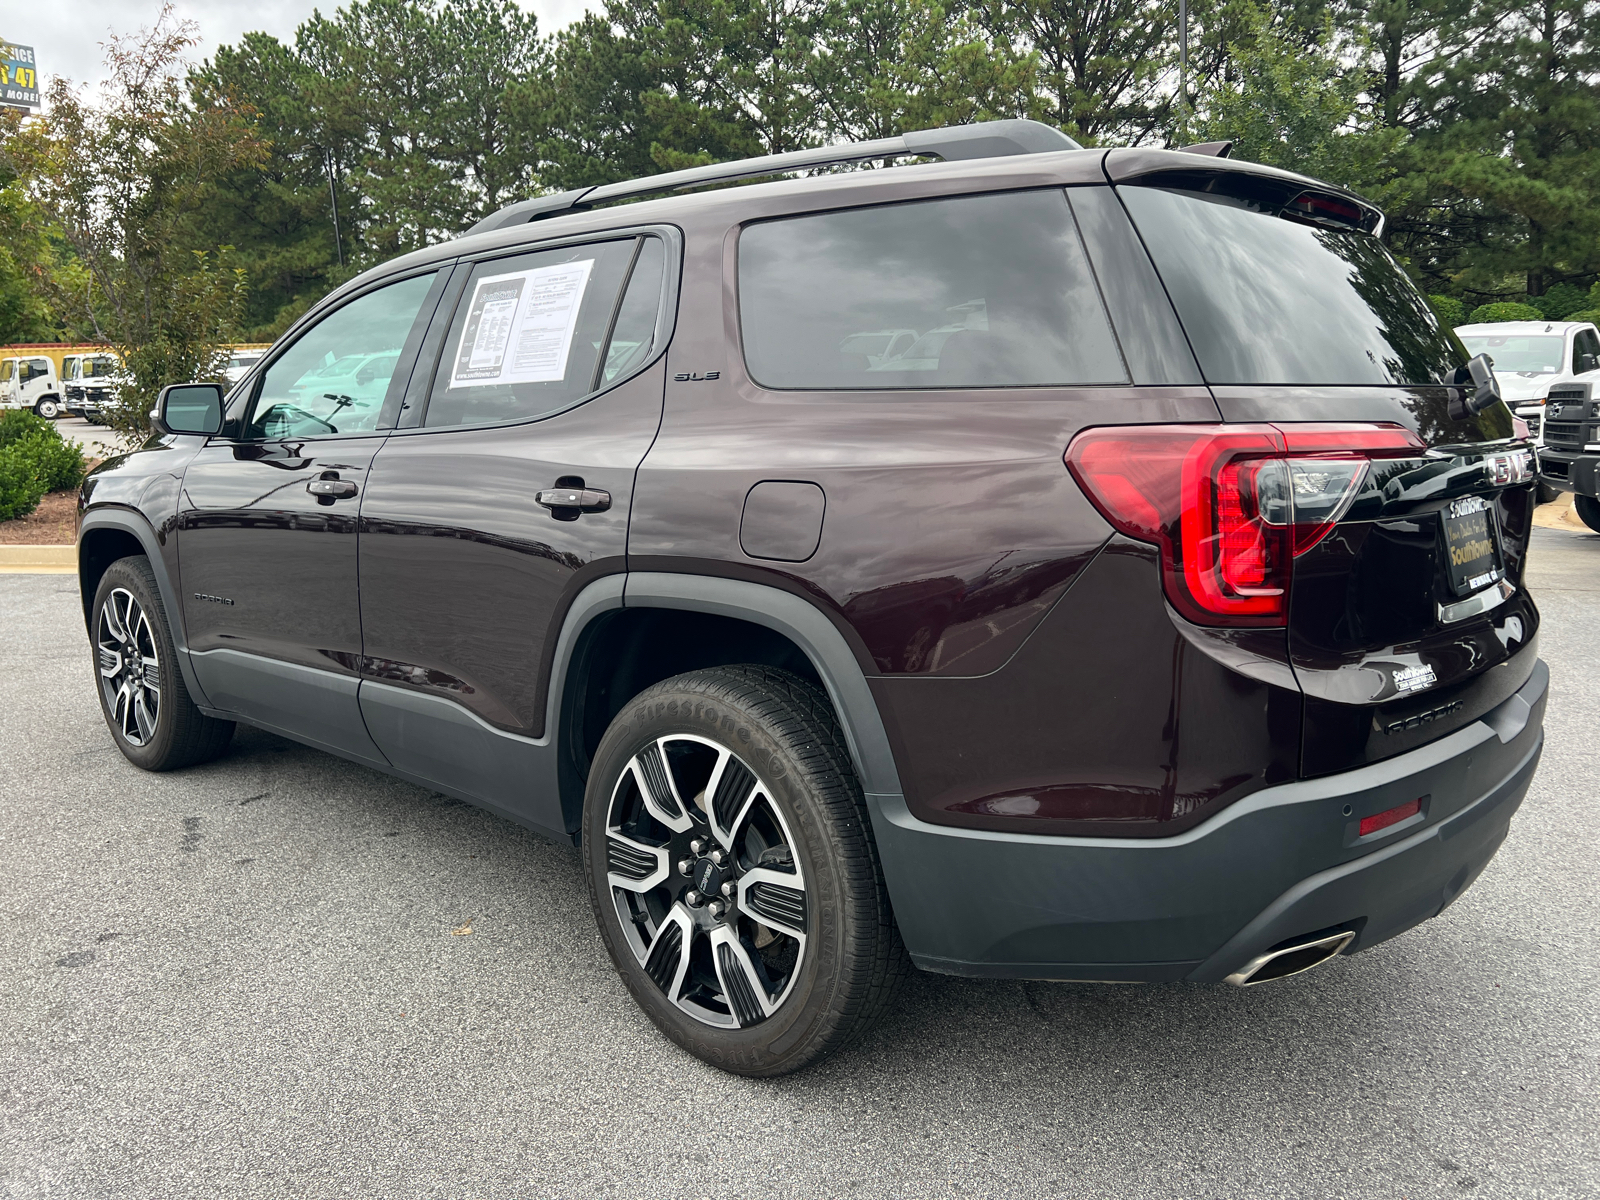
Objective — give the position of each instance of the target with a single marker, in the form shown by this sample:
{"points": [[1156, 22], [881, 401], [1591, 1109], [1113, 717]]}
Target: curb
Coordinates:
{"points": [[38, 560]]}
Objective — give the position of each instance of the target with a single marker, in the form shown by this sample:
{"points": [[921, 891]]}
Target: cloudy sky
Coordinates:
{"points": [[66, 34]]}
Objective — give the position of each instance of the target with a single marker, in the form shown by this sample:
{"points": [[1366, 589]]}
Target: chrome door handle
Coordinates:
{"points": [[337, 489], [582, 499]]}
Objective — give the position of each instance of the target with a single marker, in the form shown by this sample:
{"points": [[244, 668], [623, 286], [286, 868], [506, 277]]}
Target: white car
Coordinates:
{"points": [[240, 362], [1532, 356]]}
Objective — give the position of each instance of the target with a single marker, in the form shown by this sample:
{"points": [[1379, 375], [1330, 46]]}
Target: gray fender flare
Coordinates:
{"points": [[805, 625], [128, 521]]}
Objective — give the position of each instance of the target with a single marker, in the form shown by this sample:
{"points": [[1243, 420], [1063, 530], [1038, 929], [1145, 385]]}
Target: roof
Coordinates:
{"points": [[1524, 327]]}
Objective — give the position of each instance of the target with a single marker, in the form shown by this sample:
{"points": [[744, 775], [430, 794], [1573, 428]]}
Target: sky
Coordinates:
{"points": [[66, 34]]}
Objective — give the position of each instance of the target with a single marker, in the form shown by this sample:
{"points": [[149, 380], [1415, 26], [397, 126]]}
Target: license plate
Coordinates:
{"points": [[1471, 545]]}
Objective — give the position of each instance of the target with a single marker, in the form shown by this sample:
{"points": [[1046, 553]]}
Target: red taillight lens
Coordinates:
{"points": [[1230, 506]]}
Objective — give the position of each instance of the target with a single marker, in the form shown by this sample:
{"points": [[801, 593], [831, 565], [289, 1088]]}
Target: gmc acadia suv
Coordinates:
{"points": [[1044, 562]]}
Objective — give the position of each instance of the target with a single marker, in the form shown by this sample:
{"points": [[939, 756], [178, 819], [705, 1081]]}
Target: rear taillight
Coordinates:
{"points": [[1230, 506]]}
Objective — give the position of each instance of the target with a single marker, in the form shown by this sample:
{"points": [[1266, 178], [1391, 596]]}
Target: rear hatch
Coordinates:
{"points": [[1405, 617]]}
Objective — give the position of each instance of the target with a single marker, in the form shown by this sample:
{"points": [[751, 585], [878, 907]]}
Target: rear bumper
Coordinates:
{"points": [[1284, 862]]}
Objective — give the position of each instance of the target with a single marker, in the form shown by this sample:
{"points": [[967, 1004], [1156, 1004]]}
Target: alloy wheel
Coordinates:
{"points": [[708, 887], [130, 667]]}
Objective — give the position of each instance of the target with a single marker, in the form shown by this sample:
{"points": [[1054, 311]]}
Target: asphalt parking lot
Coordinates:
{"points": [[242, 980]]}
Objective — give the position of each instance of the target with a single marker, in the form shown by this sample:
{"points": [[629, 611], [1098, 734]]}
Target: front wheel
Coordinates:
{"points": [[1588, 511], [732, 871], [142, 693], [48, 408]]}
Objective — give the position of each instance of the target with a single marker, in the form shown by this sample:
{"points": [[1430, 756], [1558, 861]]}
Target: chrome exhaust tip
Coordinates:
{"points": [[1291, 960]]}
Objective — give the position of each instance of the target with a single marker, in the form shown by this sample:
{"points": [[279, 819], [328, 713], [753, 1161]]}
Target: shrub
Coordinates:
{"points": [[1504, 310], [1560, 301], [21, 488], [1450, 311], [18, 423], [1592, 315], [33, 460]]}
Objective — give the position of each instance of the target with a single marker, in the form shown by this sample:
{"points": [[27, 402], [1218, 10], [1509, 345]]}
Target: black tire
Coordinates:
{"points": [[1588, 511], [826, 975], [1548, 494], [177, 734]]}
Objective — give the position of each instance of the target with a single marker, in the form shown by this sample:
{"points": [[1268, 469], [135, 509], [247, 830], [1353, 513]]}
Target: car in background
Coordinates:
{"points": [[1532, 356], [240, 362], [30, 381]]}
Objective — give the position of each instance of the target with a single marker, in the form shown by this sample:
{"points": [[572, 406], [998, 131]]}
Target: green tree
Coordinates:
{"points": [[122, 179], [1298, 106], [1102, 65]]}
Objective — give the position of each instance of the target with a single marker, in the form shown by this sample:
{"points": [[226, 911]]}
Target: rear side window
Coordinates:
{"points": [[979, 291], [527, 334], [1269, 297]]}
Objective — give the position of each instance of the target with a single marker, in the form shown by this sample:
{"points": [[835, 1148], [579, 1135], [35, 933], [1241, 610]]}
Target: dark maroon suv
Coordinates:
{"points": [[1044, 562]]}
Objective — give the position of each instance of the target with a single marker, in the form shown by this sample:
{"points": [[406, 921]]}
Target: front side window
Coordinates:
{"points": [[977, 291], [335, 377], [1534, 354], [1269, 295], [527, 334]]}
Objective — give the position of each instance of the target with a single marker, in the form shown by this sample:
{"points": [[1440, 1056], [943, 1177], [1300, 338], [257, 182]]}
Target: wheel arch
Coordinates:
{"points": [[108, 534], [710, 621]]}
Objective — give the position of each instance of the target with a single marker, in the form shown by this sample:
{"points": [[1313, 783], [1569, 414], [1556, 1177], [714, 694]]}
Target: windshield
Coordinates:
{"points": [[1271, 300], [100, 366], [6, 369], [1534, 353]]}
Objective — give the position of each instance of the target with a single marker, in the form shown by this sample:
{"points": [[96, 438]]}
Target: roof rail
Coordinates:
{"points": [[986, 139]]}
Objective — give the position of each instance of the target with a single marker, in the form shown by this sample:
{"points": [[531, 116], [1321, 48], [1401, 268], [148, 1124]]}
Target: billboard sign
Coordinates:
{"points": [[19, 82]]}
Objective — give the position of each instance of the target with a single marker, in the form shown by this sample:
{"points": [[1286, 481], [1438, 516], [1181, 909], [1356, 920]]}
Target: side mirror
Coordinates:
{"points": [[189, 408], [1589, 362], [1485, 387], [1478, 388]]}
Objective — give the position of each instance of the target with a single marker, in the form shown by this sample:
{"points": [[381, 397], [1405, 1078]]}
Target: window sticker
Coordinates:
{"points": [[519, 327]]}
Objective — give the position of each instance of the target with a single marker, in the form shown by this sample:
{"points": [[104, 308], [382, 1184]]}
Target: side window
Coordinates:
{"points": [[633, 336], [979, 291], [526, 338], [336, 375], [1586, 351]]}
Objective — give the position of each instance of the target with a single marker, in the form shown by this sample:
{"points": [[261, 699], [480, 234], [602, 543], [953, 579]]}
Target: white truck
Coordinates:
{"points": [[1531, 357], [91, 382], [30, 381]]}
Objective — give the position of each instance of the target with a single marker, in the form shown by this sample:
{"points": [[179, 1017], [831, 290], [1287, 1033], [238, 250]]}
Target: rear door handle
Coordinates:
{"points": [[338, 489], [582, 499]]}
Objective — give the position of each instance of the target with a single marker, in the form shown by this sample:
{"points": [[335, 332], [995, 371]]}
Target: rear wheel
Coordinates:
{"points": [[142, 693], [732, 872], [48, 408], [1588, 511]]}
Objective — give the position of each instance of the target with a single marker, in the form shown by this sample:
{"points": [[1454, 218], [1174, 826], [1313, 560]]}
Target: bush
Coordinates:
{"points": [[33, 460], [1504, 310], [1560, 301], [1450, 311], [21, 488], [19, 423], [1592, 315]]}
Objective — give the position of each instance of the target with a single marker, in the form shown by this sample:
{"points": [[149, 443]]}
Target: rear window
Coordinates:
{"points": [[1272, 298], [980, 291]]}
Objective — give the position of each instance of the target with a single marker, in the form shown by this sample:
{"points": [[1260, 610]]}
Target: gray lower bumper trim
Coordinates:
{"points": [[976, 902]]}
